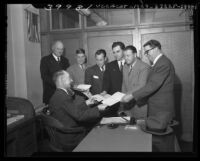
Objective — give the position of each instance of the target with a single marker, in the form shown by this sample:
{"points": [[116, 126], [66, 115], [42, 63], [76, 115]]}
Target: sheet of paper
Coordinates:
{"points": [[115, 98], [83, 87], [108, 120], [100, 98]]}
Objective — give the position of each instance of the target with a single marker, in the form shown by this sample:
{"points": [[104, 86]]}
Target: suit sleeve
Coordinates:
{"points": [[66, 63], [45, 73], [81, 112], [155, 81], [88, 76], [123, 87], [143, 75], [106, 80]]}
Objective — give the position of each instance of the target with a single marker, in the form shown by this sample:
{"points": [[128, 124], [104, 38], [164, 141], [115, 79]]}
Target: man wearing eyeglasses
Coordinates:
{"points": [[159, 88]]}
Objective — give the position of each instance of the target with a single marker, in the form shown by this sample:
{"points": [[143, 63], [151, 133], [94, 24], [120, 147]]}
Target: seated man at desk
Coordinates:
{"points": [[63, 108]]}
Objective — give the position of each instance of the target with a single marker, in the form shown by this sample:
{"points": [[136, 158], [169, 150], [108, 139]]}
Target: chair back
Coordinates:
{"points": [[53, 126]]}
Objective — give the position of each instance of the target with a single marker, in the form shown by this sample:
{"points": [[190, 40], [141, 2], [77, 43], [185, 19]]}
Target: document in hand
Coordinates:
{"points": [[118, 120], [100, 98], [83, 87], [115, 98]]}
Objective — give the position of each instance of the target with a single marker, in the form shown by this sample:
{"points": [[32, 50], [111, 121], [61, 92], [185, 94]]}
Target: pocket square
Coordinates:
{"points": [[96, 77]]}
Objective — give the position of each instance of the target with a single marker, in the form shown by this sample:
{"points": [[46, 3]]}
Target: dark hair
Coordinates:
{"points": [[153, 44], [80, 50], [131, 47], [101, 51], [118, 43], [58, 74]]}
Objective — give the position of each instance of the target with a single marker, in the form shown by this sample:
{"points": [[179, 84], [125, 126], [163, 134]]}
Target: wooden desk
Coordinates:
{"points": [[104, 139]]}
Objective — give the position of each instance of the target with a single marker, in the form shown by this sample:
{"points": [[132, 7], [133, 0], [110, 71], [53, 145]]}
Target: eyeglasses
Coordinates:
{"points": [[147, 51]]}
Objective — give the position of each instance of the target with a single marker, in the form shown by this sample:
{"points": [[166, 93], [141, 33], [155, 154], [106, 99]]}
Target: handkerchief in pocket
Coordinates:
{"points": [[95, 77]]}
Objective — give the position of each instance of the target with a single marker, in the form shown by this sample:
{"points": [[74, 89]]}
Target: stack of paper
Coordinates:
{"points": [[115, 98], [100, 98], [116, 120]]}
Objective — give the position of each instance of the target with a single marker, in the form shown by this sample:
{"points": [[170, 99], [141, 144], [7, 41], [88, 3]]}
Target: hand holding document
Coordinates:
{"points": [[115, 98], [101, 107], [100, 98], [116, 120]]}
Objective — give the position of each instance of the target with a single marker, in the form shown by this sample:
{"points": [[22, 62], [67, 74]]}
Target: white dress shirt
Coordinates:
{"points": [[119, 63], [57, 58]]}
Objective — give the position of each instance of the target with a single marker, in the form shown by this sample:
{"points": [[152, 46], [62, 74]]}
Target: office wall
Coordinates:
{"points": [[16, 78], [23, 58]]}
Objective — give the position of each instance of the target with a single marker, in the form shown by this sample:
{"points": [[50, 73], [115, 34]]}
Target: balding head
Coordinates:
{"points": [[62, 79], [58, 48]]}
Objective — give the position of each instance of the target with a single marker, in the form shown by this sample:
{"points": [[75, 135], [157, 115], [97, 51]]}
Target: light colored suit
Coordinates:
{"points": [[77, 74], [134, 80]]}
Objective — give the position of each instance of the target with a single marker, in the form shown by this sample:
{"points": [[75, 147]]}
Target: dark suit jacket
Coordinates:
{"points": [[159, 87], [94, 76], [48, 66], [64, 108], [112, 79]]}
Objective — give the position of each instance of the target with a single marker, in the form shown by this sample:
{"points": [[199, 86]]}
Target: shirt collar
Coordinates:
{"points": [[64, 90], [119, 62], [104, 68], [82, 66], [156, 59], [131, 66], [55, 57]]}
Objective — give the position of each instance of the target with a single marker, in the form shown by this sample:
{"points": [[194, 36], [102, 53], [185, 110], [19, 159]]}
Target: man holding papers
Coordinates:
{"points": [[160, 83], [62, 106], [112, 79], [135, 73]]}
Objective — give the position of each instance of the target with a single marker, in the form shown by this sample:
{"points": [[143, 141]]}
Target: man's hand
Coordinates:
{"points": [[90, 101], [127, 98], [101, 107], [103, 93], [87, 93]]}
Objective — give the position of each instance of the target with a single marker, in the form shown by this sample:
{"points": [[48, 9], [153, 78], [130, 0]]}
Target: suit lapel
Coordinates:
{"points": [[98, 72]]}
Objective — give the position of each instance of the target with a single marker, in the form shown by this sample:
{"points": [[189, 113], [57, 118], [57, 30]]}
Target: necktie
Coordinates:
{"points": [[82, 66], [58, 58], [102, 69], [121, 65], [130, 70]]}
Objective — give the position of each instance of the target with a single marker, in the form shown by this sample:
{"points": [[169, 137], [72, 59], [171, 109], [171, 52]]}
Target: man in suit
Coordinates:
{"points": [[112, 79], [135, 74], [77, 70], [94, 74], [48, 66], [62, 106], [160, 83]]}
